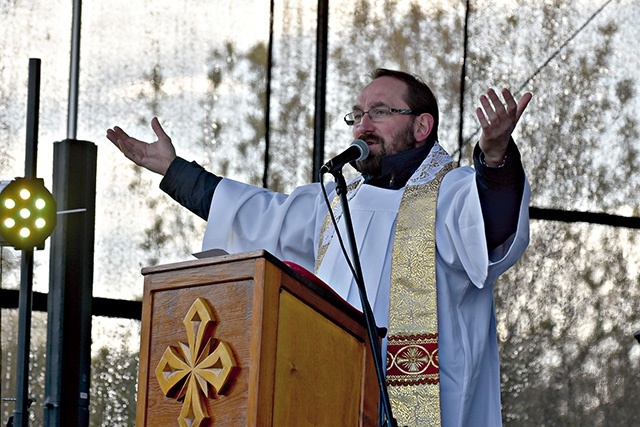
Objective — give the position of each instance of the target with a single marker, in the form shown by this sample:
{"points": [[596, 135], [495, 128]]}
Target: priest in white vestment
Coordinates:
{"points": [[480, 223]]}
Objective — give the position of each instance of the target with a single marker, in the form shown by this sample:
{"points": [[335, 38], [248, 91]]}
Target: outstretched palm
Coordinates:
{"points": [[155, 156]]}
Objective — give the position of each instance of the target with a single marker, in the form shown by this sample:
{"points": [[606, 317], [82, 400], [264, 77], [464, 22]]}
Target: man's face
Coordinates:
{"points": [[392, 135]]}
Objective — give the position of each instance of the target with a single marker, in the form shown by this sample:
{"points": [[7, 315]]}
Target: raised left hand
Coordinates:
{"points": [[498, 120]]}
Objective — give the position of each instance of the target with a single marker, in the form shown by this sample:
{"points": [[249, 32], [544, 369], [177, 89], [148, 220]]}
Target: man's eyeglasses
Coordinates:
{"points": [[377, 114]]}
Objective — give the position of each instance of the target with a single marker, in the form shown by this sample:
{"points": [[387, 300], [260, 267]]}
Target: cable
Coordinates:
{"points": [[541, 67], [373, 332], [335, 227], [563, 45]]}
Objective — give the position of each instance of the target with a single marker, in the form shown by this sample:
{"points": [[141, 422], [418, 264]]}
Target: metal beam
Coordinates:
{"points": [[320, 120]]}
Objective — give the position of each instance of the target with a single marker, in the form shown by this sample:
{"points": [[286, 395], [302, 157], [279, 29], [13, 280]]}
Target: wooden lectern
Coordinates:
{"points": [[244, 340]]}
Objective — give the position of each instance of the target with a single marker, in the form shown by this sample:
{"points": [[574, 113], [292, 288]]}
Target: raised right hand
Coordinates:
{"points": [[155, 156]]}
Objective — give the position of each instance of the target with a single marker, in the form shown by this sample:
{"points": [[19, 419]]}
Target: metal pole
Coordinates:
{"points": [[463, 82], [21, 413], [322, 43], [72, 116], [267, 105], [33, 118]]}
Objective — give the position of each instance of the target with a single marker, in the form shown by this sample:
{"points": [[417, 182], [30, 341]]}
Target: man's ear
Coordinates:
{"points": [[422, 127]]}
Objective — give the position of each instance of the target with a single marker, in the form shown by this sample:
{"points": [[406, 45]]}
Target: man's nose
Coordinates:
{"points": [[365, 125]]}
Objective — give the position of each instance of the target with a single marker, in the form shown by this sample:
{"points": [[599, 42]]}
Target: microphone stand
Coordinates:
{"points": [[341, 190]]}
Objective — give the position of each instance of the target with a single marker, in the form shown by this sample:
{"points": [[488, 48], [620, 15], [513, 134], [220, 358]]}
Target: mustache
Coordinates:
{"points": [[371, 139]]}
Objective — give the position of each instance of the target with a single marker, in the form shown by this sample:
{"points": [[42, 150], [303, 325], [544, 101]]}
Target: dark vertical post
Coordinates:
{"points": [[33, 118], [322, 43], [267, 101], [71, 286], [463, 81], [21, 413], [71, 265]]}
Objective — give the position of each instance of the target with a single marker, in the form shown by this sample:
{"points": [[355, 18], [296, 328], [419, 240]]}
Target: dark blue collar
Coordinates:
{"points": [[398, 168]]}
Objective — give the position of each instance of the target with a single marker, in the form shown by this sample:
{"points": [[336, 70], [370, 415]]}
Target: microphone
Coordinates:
{"points": [[358, 150]]}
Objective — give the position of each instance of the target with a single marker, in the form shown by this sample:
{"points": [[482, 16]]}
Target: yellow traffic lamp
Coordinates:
{"points": [[27, 213]]}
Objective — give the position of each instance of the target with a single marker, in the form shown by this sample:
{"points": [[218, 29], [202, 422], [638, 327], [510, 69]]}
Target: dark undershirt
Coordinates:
{"points": [[500, 189]]}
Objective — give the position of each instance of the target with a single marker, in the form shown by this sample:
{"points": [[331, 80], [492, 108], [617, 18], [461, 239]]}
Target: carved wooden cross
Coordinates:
{"points": [[188, 372]]}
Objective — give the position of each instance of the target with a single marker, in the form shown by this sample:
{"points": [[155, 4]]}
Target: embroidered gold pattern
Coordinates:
{"points": [[413, 377], [413, 360], [326, 234]]}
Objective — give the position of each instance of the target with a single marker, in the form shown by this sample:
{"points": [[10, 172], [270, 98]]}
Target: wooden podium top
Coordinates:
{"points": [[315, 284]]}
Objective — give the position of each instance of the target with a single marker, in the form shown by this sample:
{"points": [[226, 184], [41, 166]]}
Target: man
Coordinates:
{"points": [[432, 239]]}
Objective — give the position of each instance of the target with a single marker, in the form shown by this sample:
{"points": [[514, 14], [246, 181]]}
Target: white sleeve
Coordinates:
{"points": [[244, 217], [460, 234]]}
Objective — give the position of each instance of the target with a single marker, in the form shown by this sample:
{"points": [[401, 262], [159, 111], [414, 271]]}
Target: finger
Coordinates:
{"points": [[488, 109], [498, 106], [116, 133], [523, 103], [112, 136], [157, 128], [481, 118], [512, 107], [121, 133]]}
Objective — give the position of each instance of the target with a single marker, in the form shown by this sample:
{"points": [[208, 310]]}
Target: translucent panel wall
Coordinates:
{"points": [[566, 312]]}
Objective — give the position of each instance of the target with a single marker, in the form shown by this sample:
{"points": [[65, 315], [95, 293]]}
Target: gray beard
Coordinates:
{"points": [[372, 165]]}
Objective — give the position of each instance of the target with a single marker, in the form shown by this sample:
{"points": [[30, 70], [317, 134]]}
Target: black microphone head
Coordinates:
{"points": [[357, 150], [363, 147]]}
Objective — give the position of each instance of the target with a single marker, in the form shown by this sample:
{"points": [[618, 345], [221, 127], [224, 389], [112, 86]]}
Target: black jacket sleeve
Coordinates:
{"points": [[500, 190], [191, 185]]}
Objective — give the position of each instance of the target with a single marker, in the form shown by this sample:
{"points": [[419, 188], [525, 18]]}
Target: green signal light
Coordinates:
{"points": [[27, 213]]}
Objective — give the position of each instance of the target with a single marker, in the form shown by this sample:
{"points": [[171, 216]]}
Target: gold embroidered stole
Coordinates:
{"points": [[412, 349], [413, 375]]}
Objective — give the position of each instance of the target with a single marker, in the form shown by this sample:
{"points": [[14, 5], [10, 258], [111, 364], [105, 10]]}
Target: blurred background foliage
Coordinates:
{"points": [[566, 312]]}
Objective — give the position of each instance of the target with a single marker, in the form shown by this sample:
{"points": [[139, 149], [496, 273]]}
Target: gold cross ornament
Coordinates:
{"points": [[190, 372]]}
